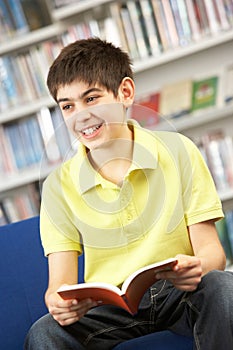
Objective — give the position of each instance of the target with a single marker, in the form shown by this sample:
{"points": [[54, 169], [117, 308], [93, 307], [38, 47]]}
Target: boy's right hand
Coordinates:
{"points": [[66, 312]]}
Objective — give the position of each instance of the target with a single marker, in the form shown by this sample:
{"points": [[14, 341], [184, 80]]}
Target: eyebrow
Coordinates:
{"points": [[84, 94]]}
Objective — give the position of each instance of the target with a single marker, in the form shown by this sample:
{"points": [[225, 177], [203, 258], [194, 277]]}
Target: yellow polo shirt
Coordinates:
{"points": [[122, 228]]}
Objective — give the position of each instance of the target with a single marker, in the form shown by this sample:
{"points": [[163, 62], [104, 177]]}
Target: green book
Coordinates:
{"points": [[222, 230], [204, 93]]}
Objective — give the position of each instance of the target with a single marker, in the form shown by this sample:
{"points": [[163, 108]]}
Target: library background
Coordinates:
{"points": [[182, 53]]}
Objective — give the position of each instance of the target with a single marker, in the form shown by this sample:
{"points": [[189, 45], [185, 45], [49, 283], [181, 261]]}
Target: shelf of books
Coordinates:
{"points": [[33, 32], [181, 51]]}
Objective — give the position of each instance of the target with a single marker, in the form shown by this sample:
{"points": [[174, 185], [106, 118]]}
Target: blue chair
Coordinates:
{"points": [[24, 276]]}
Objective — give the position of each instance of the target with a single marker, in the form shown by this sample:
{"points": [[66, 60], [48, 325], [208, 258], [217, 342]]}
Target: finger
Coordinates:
{"points": [[185, 261], [186, 287], [67, 318]]}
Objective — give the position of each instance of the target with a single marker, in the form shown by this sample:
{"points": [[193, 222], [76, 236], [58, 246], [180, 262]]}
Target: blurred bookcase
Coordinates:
{"points": [[182, 54]]}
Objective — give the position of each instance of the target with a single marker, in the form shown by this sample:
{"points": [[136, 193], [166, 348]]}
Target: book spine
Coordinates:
{"points": [[61, 133], [223, 234], [31, 92], [184, 20], [170, 23], [129, 31], [19, 18], [3, 218], [21, 204], [94, 26], [228, 82], [202, 16], [7, 81], [4, 104], [25, 141], [226, 151], [48, 134], [195, 26], [134, 13], [26, 93], [215, 160], [161, 24], [151, 28], [32, 74], [111, 33], [38, 69], [35, 138], [211, 15], [229, 224], [10, 209], [229, 11], [115, 14], [12, 132], [219, 5], [178, 22], [7, 153], [7, 26]]}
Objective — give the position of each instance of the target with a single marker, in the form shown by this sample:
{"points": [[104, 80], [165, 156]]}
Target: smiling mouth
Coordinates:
{"points": [[91, 130]]}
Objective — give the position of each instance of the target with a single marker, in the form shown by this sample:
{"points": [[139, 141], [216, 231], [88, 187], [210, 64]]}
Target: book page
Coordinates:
{"points": [[102, 293], [136, 284]]}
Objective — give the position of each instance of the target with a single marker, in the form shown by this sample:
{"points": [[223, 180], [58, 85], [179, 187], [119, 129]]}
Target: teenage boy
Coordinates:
{"points": [[128, 198]]}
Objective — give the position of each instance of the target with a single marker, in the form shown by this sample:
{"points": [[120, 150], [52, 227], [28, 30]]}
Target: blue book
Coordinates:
{"points": [[7, 26], [3, 99], [13, 135], [7, 81], [35, 138], [18, 16], [26, 140]]}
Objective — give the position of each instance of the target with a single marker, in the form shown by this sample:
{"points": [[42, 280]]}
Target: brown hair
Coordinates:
{"points": [[91, 61]]}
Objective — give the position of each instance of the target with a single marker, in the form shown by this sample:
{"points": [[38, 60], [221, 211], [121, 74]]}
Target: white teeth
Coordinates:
{"points": [[90, 131]]}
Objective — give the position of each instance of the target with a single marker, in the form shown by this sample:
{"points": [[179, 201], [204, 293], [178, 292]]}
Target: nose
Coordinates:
{"points": [[83, 115]]}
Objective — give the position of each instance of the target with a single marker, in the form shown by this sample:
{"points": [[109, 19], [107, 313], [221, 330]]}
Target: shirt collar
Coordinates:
{"points": [[145, 156]]}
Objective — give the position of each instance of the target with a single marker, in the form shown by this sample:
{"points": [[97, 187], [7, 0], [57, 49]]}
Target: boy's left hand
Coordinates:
{"points": [[185, 275]]}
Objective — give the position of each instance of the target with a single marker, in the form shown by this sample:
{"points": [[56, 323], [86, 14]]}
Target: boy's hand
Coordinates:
{"points": [[66, 312], [186, 274]]}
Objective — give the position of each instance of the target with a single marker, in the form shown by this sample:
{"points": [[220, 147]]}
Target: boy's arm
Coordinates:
{"points": [[63, 269], [208, 255], [206, 246]]}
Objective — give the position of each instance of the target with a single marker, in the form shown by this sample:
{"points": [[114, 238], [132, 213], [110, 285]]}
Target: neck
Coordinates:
{"points": [[113, 158]]}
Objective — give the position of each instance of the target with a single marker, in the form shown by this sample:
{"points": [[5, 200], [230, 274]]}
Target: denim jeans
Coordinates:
{"points": [[207, 314]]}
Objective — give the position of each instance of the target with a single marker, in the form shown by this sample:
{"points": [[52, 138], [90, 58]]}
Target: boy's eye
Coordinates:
{"points": [[66, 107], [91, 99]]}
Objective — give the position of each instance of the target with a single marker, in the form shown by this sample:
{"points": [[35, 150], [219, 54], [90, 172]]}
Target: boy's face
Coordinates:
{"points": [[94, 114]]}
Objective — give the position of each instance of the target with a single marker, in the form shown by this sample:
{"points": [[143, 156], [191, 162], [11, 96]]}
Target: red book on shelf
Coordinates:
{"points": [[145, 109]]}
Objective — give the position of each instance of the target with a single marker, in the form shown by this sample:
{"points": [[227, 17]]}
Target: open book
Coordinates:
{"points": [[130, 294]]}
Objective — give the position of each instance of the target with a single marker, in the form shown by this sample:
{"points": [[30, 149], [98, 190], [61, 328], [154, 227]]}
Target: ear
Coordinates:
{"points": [[126, 92]]}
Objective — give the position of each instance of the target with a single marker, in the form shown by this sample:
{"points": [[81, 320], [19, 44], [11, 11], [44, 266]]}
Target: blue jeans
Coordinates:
{"points": [[207, 314]]}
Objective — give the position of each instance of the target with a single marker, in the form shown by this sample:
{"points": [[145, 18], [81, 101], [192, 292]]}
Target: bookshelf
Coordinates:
{"points": [[188, 59]]}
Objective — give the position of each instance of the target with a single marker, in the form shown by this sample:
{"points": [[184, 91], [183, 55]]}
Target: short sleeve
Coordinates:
{"points": [[58, 233], [201, 199]]}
